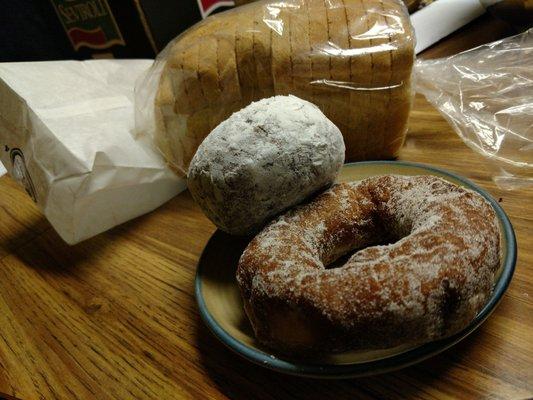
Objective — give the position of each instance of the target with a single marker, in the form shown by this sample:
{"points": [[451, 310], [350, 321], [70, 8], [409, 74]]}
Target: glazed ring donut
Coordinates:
{"points": [[429, 254]]}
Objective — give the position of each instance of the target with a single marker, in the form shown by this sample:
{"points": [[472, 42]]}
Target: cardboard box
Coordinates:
{"points": [[82, 29]]}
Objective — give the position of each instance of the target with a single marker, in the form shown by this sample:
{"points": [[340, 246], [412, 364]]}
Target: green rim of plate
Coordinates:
{"points": [[394, 362]]}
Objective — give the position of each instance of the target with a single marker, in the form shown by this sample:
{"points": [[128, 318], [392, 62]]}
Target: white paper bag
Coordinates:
{"points": [[442, 17], [65, 136]]}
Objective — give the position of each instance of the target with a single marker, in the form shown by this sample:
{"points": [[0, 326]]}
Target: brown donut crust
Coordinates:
{"points": [[428, 283]]}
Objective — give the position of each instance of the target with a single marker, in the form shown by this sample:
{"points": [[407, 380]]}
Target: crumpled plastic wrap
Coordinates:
{"points": [[486, 94], [351, 58]]}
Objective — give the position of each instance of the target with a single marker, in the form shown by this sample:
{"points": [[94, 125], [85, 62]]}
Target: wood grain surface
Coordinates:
{"points": [[115, 317]]}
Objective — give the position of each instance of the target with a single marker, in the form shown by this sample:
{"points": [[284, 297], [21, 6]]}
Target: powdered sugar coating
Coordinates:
{"points": [[262, 160], [428, 283]]}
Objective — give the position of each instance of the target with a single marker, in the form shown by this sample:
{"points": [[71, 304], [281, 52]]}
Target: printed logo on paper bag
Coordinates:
{"points": [[88, 23], [208, 6], [20, 173]]}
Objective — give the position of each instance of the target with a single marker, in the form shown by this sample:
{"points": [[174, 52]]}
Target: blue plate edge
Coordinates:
{"points": [[395, 362]]}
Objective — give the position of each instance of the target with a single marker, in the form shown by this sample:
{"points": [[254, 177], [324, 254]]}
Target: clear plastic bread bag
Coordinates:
{"points": [[486, 94], [351, 58]]}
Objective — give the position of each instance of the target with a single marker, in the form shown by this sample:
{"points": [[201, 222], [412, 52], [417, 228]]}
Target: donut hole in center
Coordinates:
{"points": [[381, 228], [386, 239], [339, 262]]}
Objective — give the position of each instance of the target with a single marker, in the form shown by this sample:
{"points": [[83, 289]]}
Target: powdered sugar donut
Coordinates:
{"points": [[432, 251], [262, 160]]}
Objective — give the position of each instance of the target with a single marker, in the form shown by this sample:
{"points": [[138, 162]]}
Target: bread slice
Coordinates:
{"points": [[339, 97], [244, 49], [319, 56], [208, 71], [381, 76], [168, 124], [356, 136], [187, 75], [401, 92], [397, 124], [262, 52], [300, 51], [230, 88], [175, 77], [228, 78], [281, 52]]}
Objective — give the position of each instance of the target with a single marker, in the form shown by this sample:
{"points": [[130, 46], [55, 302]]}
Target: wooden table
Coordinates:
{"points": [[115, 317]]}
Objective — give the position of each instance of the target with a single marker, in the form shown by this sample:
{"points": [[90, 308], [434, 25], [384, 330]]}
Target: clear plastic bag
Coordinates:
{"points": [[412, 5], [351, 58], [486, 94]]}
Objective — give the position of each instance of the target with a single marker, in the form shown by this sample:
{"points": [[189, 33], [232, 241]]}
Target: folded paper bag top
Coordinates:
{"points": [[65, 136]]}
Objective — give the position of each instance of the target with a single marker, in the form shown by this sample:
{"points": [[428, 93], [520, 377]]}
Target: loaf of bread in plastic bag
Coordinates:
{"points": [[352, 58]]}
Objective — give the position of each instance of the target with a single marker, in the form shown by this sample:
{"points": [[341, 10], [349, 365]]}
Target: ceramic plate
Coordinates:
{"points": [[222, 310]]}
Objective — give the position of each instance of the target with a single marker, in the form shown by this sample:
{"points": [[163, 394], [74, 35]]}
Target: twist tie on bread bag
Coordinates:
{"points": [[486, 94]]}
